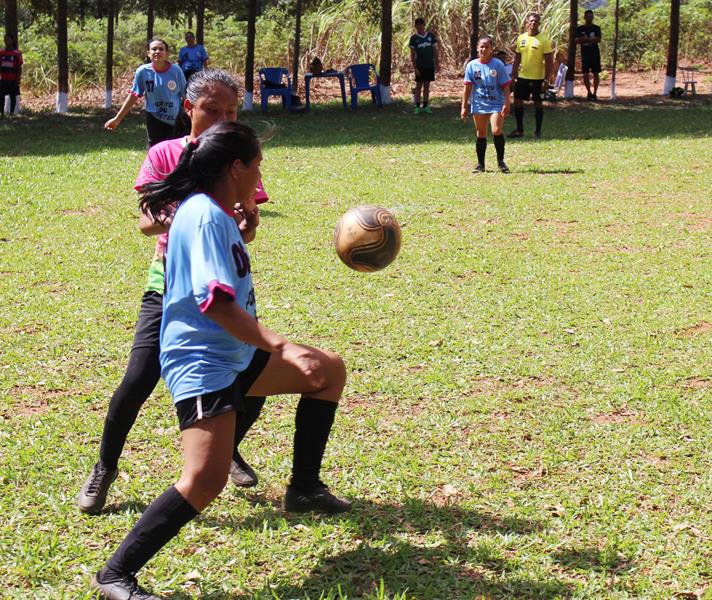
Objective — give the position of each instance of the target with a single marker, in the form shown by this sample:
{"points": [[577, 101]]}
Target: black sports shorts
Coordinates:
{"points": [[526, 88], [148, 326], [192, 410], [9, 88], [591, 65], [425, 75], [158, 131]]}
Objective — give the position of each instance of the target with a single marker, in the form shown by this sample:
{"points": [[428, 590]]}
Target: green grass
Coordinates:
{"points": [[530, 383]]}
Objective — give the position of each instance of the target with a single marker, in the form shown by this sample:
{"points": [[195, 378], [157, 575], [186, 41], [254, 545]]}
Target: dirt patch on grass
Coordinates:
{"points": [[698, 222], [696, 329], [31, 400], [697, 383], [615, 417]]}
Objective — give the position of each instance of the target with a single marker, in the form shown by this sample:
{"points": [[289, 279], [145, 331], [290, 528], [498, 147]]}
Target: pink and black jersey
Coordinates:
{"points": [[10, 63]]}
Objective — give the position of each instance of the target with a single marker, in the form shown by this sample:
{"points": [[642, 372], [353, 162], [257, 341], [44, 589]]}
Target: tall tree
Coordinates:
{"points": [[109, 80], [475, 33], [11, 19], [386, 49], [297, 40], [200, 22], [150, 19], [62, 58], [571, 61], [674, 40], [250, 55]]}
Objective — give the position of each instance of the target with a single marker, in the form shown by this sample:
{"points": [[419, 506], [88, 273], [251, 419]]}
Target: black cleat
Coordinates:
{"points": [[516, 134], [93, 494], [503, 167], [320, 500], [537, 135], [125, 588], [242, 474], [479, 169]]}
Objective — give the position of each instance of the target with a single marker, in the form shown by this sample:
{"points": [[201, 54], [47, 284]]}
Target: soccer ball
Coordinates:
{"points": [[367, 238]]}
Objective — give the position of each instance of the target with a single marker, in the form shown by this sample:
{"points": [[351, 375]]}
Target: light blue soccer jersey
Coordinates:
{"points": [[192, 58], [164, 90], [487, 80], [205, 255]]}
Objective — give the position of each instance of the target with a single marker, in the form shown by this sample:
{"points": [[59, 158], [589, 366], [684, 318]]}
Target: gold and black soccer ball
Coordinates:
{"points": [[367, 238]]}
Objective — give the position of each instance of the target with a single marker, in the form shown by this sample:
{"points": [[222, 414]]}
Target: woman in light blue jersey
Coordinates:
{"points": [[214, 352], [163, 84], [487, 92]]}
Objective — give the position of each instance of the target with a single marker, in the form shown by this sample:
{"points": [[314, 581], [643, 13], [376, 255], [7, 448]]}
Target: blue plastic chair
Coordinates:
{"points": [[361, 79], [275, 81]]}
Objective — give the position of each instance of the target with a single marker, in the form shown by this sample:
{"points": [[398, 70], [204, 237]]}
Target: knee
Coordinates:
{"points": [[334, 371], [202, 487]]}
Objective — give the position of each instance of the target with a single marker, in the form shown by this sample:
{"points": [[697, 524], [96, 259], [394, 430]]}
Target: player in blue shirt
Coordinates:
{"points": [[163, 85], [487, 92], [193, 57], [214, 352]]}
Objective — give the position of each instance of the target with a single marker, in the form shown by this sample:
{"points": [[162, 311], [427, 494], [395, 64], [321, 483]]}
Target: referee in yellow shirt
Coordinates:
{"points": [[533, 64]]}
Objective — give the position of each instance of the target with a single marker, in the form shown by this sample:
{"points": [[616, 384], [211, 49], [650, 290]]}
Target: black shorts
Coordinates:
{"points": [[526, 88], [148, 326], [158, 131], [9, 88], [591, 64], [425, 75], [192, 410]]}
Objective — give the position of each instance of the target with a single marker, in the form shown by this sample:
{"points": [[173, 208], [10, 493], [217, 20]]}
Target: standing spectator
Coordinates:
{"points": [[424, 56], [193, 57], [487, 91], [589, 36], [163, 84], [532, 67], [10, 74]]}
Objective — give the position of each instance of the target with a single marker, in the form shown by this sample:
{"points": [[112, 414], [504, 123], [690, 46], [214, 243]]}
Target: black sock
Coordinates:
{"points": [[481, 147], [425, 104], [13, 104], [499, 146], [142, 375], [417, 104], [538, 117], [519, 116], [244, 421], [161, 522], [313, 425], [2, 105]]}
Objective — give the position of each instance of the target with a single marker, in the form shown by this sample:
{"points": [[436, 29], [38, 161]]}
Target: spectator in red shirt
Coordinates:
{"points": [[10, 73]]}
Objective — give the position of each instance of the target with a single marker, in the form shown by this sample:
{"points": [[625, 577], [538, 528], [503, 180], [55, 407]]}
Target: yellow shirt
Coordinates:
{"points": [[532, 49]]}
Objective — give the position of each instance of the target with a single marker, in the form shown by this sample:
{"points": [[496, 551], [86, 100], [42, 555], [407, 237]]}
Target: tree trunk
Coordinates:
{"points": [[150, 20], [200, 22], [62, 58], [250, 55], [297, 39], [475, 34], [11, 20], [571, 62], [671, 70], [386, 49], [615, 49], [109, 81]]}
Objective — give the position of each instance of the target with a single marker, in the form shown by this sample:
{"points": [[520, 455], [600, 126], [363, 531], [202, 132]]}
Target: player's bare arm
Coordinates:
{"points": [[123, 111], [465, 100]]}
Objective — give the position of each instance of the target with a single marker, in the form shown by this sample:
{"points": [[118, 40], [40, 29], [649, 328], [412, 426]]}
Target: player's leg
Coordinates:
{"points": [[496, 121], [521, 93], [14, 93], [2, 99], [596, 78], [481, 121], [139, 381], [241, 473], [418, 94], [315, 415], [207, 447], [538, 107], [587, 80], [426, 96]]}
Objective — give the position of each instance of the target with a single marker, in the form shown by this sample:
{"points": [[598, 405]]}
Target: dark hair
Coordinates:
{"points": [[485, 38], [199, 82], [587, 12], [420, 21], [149, 42], [201, 165], [534, 14], [189, 33]]}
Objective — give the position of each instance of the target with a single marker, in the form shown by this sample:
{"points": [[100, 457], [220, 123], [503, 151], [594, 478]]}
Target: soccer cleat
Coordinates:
{"points": [[537, 135], [242, 474], [503, 167], [416, 110], [479, 169], [516, 134], [590, 96], [319, 500], [427, 110], [125, 588], [92, 497]]}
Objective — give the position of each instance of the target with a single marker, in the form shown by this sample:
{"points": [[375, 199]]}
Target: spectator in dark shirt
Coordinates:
{"points": [[588, 36]]}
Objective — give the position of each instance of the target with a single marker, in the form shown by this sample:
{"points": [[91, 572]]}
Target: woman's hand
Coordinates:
{"points": [[308, 364], [112, 124], [247, 221]]}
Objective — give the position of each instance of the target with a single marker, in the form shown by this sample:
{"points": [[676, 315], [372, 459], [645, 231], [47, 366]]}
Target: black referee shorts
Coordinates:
{"points": [[526, 88]]}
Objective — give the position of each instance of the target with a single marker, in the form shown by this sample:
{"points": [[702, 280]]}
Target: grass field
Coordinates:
{"points": [[530, 383]]}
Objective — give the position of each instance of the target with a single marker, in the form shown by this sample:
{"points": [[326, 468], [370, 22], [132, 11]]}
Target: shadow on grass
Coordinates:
{"points": [[447, 561], [592, 559], [81, 131], [553, 171]]}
